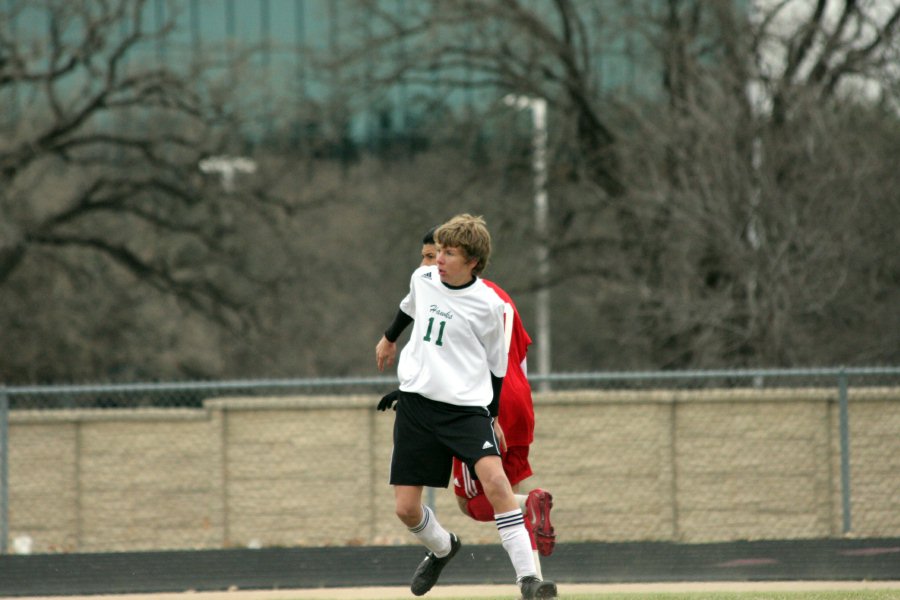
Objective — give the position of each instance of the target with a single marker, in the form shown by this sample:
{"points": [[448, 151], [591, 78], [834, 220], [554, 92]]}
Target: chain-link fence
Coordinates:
{"points": [[698, 456]]}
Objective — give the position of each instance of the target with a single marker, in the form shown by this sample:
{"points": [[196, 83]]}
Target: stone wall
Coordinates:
{"points": [[687, 466]]}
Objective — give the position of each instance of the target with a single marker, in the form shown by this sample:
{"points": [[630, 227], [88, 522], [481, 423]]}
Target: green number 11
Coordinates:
{"points": [[440, 335]]}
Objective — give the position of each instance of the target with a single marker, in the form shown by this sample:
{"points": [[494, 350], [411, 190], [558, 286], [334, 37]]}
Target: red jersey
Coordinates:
{"points": [[516, 408]]}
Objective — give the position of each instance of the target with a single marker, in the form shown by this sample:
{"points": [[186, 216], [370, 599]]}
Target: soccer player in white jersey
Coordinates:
{"points": [[451, 374], [516, 418]]}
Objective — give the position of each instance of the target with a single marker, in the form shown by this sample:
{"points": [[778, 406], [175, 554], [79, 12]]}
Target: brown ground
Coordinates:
{"points": [[477, 591]]}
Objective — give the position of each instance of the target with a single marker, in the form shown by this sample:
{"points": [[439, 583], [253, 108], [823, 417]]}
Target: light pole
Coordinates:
{"points": [[227, 167], [538, 107]]}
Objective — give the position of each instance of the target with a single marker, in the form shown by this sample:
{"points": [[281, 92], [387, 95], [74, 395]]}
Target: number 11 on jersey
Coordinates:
{"points": [[440, 335]]}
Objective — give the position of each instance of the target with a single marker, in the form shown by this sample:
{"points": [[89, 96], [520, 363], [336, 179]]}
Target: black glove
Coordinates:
{"points": [[389, 400]]}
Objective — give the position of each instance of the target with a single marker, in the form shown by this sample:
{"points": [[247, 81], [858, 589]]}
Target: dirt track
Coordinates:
{"points": [[476, 591]]}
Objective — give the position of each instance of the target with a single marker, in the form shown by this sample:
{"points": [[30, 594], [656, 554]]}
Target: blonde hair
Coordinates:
{"points": [[469, 233]]}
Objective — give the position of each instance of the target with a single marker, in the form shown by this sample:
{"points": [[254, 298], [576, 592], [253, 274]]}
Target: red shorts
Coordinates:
{"points": [[515, 463]]}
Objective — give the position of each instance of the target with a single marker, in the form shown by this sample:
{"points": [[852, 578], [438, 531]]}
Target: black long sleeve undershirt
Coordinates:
{"points": [[401, 321], [496, 385]]}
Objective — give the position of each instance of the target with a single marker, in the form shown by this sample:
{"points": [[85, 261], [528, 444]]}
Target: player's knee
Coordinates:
{"points": [[410, 514], [496, 485]]}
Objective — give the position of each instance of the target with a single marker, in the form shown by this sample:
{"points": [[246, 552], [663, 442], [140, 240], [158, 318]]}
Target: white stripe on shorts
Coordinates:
{"points": [[469, 482]]}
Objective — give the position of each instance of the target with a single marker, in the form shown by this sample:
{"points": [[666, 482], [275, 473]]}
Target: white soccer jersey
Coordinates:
{"points": [[457, 340]]}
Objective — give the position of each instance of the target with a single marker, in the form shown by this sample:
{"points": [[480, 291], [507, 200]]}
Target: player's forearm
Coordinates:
{"points": [[401, 321], [497, 386]]}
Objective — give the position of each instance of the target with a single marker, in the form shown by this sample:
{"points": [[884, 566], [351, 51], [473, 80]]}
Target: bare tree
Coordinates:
{"points": [[719, 188], [692, 193], [740, 168], [100, 144], [812, 52], [488, 49]]}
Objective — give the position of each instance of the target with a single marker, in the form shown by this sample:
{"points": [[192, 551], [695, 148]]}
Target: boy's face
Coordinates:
{"points": [[454, 267], [429, 255]]}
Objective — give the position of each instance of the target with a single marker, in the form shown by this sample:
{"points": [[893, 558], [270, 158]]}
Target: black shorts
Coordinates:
{"points": [[428, 434]]}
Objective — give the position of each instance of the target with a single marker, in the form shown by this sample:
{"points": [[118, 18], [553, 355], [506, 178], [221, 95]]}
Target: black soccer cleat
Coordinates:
{"points": [[532, 587], [430, 568]]}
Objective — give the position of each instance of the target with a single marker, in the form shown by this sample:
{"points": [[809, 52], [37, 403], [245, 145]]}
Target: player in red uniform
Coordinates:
{"points": [[516, 419]]}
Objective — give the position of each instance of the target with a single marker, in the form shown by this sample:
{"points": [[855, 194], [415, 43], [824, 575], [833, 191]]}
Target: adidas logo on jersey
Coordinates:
{"points": [[427, 275], [487, 445]]}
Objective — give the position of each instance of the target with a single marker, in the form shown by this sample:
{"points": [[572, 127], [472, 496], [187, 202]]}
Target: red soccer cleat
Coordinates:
{"points": [[538, 507]]}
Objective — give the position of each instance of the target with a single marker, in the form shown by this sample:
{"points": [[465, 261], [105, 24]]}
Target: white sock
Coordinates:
{"points": [[516, 542], [431, 534], [537, 564], [521, 499]]}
